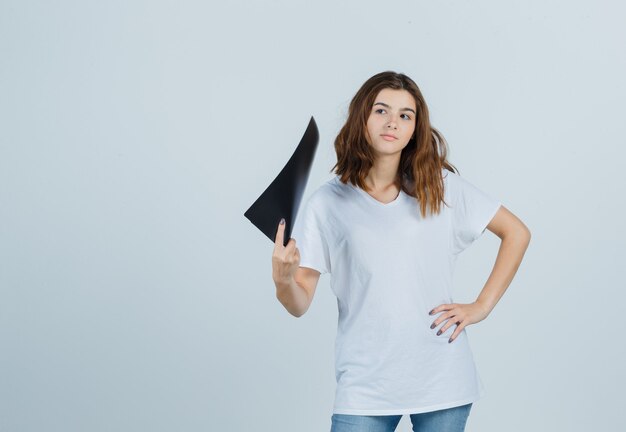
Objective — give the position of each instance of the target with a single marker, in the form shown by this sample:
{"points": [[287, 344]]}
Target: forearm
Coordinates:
{"points": [[512, 249], [293, 297]]}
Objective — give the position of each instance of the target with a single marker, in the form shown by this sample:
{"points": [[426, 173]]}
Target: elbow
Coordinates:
{"points": [[522, 236], [526, 234], [299, 312], [296, 314], [293, 311], [520, 232]]}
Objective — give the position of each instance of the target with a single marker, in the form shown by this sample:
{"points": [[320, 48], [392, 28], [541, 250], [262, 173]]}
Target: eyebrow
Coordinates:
{"points": [[387, 106]]}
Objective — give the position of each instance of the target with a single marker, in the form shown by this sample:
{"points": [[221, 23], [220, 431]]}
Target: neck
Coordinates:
{"points": [[384, 173]]}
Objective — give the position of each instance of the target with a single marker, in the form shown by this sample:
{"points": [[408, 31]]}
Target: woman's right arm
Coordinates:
{"points": [[295, 285]]}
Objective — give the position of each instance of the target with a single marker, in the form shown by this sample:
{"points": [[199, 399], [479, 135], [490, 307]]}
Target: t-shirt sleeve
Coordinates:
{"points": [[310, 239], [472, 210]]}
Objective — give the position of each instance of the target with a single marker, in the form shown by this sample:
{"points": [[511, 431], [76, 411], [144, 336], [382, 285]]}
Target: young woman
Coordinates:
{"points": [[388, 228]]}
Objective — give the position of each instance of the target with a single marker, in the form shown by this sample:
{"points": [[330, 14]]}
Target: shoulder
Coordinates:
{"points": [[449, 180], [456, 186], [448, 175], [328, 193], [453, 180]]}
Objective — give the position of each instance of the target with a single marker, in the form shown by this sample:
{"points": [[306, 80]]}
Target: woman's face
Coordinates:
{"points": [[392, 121]]}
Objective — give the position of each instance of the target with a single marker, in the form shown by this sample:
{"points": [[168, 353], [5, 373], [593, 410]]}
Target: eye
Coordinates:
{"points": [[379, 109], [407, 117]]}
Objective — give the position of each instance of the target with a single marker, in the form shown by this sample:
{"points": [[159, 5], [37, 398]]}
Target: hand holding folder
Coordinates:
{"points": [[282, 197]]}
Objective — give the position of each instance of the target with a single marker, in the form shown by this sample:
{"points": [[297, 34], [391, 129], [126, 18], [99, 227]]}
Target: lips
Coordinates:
{"points": [[389, 137]]}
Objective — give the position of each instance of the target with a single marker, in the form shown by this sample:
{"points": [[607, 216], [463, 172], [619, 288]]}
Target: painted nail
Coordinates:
{"points": [[431, 312], [439, 332], [432, 326], [450, 340]]}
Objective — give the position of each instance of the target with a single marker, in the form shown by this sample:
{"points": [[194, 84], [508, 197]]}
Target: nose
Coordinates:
{"points": [[392, 122]]}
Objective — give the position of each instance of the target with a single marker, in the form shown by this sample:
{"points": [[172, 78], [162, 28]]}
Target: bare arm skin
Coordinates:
{"points": [[295, 285], [515, 238]]}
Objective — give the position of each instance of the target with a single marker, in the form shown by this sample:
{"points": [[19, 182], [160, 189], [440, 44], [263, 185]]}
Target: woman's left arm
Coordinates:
{"points": [[515, 238]]}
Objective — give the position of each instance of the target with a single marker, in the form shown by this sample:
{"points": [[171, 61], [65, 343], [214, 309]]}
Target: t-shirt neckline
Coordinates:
{"points": [[374, 201]]}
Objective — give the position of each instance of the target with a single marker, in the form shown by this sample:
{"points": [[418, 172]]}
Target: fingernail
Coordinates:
{"points": [[450, 340], [282, 221], [431, 312], [432, 326], [439, 332]]}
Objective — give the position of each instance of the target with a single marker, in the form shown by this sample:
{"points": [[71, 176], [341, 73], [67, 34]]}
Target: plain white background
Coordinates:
{"points": [[134, 295]]}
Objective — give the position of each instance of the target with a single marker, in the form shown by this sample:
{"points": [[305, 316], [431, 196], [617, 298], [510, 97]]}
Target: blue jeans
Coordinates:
{"points": [[445, 420]]}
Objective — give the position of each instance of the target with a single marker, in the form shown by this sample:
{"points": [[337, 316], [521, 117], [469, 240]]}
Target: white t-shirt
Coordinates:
{"points": [[389, 267]]}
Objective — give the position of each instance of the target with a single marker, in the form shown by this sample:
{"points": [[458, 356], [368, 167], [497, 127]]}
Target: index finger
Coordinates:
{"points": [[280, 234]]}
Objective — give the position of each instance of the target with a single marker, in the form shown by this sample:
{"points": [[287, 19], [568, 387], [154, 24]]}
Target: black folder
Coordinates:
{"points": [[282, 197]]}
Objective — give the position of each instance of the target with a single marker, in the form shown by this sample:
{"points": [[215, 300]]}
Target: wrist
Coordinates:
{"points": [[484, 305]]}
